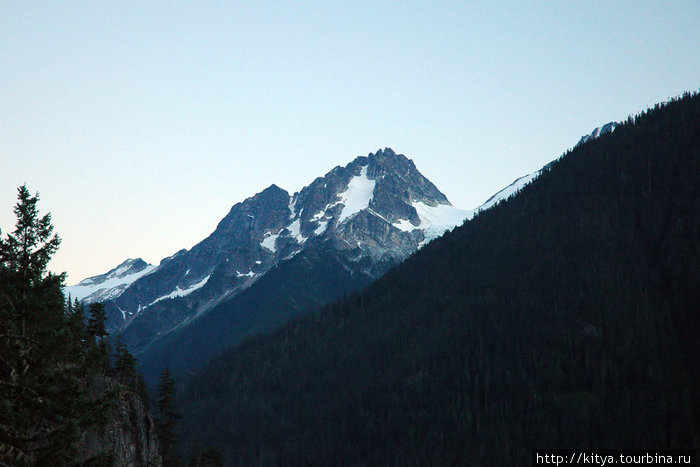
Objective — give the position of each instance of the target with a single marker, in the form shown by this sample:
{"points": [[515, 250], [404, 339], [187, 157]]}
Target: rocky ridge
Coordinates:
{"points": [[373, 212], [370, 215]]}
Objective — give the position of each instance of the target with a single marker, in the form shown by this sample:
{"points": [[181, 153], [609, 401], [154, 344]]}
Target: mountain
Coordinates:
{"points": [[359, 220], [397, 219], [354, 223], [520, 182], [110, 285], [301, 284], [565, 316]]}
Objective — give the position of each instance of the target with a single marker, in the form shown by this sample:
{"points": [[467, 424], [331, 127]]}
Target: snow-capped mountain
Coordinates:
{"points": [[110, 285], [366, 217], [373, 213], [509, 191]]}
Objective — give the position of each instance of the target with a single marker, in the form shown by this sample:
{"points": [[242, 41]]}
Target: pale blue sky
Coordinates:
{"points": [[141, 125]]}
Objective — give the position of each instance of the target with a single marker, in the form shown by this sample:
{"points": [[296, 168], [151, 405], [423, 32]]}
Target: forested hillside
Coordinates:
{"points": [[564, 317]]}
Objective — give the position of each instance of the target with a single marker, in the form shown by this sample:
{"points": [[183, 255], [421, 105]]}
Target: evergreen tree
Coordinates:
{"points": [[76, 315], [167, 419], [125, 365], [98, 344], [53, 387], [96, 321], [42, 399]]}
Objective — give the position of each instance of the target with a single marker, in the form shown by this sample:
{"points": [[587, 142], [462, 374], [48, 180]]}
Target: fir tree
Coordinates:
{"points": [[43, 400], [167, 419], [97, 337], [125, 365], [96, 321]]}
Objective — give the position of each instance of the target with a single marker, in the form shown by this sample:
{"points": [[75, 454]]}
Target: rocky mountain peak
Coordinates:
{"points": [[272, 191], [387, 156], [371, 213]]}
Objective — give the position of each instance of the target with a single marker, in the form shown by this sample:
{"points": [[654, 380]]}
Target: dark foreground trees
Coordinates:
{"points": [[39, 368], [59, 388], [167, 418], [48, 382]]}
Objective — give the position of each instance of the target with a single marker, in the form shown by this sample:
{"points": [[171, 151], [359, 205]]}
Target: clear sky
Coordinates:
{"points": [[141, 123]]}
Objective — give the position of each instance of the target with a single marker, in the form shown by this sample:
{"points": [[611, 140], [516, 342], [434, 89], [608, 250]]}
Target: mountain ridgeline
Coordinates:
{"points": [[375, 211], [272, 257], [566, 316]]}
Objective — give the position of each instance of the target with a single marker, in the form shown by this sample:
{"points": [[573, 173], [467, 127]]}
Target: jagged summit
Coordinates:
{"points": [[387, 155], [372, 213]]}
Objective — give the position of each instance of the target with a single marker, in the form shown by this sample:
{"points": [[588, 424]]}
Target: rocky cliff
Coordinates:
{"points": [[128, 438]]}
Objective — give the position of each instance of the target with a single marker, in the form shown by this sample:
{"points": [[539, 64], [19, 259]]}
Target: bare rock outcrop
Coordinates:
{"points": [[128, 438]]}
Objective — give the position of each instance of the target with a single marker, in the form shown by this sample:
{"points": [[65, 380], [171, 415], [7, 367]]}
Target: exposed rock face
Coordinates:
{"points": [[373, 213], [599, 131], [129, 439], [360, 220]]}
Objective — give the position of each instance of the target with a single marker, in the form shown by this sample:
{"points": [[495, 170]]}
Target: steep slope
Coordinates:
{"points": [[227, 261], [127, 437], [354, 223], [370, 214], [305, 282], [296, 290], [566, 316]]}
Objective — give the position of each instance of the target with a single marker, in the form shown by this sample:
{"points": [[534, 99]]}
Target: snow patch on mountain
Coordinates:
{"points": [[292, 206], [178, 292], [294, 230], [322, 226], [109, 286], [405, 225], [509, 191], [436, 220], [270, 241], [357, 196], [247, 274], [599, 131]]}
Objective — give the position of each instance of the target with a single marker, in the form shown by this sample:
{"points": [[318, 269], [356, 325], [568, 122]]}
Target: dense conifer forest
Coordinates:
{"points": [[564, 317]]}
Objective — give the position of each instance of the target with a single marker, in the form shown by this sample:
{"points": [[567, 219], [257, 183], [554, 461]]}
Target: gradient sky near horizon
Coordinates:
{"points": [[141, 123]]}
